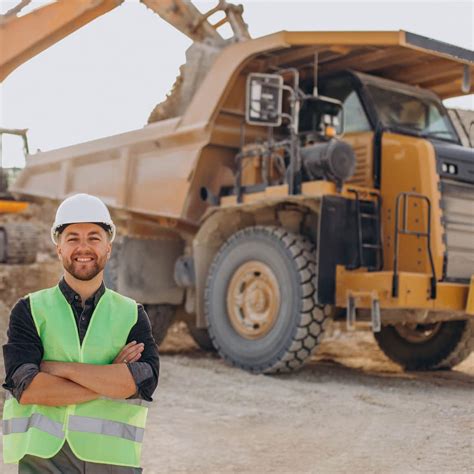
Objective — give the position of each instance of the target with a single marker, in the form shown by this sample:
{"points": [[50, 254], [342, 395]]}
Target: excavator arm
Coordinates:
{"points": [[185, 17], [23, 37]]}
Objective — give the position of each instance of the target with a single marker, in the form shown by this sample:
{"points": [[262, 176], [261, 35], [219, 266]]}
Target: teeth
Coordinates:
{"points": [[84, 259]]}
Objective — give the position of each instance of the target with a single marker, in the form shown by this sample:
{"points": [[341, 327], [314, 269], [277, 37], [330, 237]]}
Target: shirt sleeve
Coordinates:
{"points": [[23, 351], [146, 370]]}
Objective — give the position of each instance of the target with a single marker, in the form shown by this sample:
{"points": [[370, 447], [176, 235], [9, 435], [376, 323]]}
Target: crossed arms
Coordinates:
{"points": [[65, 383]]}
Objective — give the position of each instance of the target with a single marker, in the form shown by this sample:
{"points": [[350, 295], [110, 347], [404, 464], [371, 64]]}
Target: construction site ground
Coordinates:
{"points": [[349, 410]]}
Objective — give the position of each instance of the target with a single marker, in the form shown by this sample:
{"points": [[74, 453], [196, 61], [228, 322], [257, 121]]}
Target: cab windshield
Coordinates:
{"points": [[410, 113]]}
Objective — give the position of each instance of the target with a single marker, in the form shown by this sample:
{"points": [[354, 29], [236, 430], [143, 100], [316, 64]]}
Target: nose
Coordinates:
{"points": [[82, 245]]}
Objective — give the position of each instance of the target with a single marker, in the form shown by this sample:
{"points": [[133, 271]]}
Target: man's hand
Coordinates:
{"points": [[112, 380], [130, 353]]}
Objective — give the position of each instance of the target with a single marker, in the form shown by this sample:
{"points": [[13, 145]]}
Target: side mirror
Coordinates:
{"points": [[264, 99]]}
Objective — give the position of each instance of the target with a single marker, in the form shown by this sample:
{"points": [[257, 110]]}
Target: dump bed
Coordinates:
{"points": [[158, 171]]}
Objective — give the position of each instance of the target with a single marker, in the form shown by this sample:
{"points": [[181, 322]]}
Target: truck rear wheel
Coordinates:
{"points": [[431, 346], [201, 337], [260, 300], [161, 318]]}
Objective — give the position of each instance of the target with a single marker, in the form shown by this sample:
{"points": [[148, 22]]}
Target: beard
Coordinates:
{"points": [[85, 271]]}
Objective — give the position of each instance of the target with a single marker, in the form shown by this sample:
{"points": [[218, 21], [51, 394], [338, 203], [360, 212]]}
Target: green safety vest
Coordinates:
{"points": [[105, 430]]}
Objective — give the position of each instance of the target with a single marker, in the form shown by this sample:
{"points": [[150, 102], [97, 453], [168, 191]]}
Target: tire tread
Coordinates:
{"points": [[462, 350], [303, 344], [22, 243], [457, 348]]}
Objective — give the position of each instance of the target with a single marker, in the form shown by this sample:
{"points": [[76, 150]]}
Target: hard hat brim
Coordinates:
{"points": [[56, 231]]}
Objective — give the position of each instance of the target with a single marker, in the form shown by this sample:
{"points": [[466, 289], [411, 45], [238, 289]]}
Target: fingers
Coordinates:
{"points": [[135, 358], [129, 352], [132, 353], [118, 359], [127, 347]]}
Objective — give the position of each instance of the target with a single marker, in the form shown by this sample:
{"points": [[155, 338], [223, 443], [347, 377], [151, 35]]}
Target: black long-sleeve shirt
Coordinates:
{"points": [[23, 352]]}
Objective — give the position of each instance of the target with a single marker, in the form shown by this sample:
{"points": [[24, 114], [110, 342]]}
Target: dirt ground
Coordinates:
{"points": [[348, 410]]}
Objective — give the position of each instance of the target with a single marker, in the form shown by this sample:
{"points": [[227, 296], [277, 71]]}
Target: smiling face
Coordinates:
{"points": [[84, 250]]}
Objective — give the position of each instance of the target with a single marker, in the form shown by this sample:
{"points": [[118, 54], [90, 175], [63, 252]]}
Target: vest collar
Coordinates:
{"points": [[71, 296]]}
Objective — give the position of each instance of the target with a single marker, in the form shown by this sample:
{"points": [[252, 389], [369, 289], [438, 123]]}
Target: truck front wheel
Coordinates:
{"points": [[260, 300], [440, 345]]}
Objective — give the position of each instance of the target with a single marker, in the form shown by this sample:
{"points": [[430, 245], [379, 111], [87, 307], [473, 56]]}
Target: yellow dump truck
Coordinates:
{"points": [[18, 240], [312, 175]]}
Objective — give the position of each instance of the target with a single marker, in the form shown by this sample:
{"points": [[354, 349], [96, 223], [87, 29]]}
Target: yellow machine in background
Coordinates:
{"points": [[287, 180], [23, 36], [18, 240], [7, 175]]}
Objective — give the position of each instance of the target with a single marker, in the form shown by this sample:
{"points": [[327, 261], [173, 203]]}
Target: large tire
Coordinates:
{"points": [[21, 243], [448, 344], [161, 318], [286, 266], [201, 337]]}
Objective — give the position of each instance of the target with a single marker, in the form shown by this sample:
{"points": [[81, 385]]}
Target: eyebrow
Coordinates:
{"points": [[70, 234]]}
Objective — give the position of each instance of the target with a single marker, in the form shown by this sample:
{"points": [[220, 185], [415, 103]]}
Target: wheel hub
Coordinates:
{"points": [[418, 333], [253, 300]]}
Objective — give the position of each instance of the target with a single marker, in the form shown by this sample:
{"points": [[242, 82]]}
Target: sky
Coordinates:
{"points": [[107, 77]]}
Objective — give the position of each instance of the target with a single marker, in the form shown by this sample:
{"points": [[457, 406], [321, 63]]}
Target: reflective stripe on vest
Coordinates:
{"points": [[77, 423], [86, 424], [36, 420]]}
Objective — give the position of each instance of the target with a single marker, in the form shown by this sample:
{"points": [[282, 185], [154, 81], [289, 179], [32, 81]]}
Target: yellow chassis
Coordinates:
{"points": [[414, 292], [11, 207]]}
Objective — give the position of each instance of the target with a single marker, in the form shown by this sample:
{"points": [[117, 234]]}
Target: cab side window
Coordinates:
{"points": [[355, 118]]}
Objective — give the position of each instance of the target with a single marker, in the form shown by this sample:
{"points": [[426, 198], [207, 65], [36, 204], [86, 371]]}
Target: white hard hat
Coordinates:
{"points": [[82, 208]]}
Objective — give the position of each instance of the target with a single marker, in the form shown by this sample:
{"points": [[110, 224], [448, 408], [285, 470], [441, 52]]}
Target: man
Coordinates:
{"points": [[80, 360]]}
